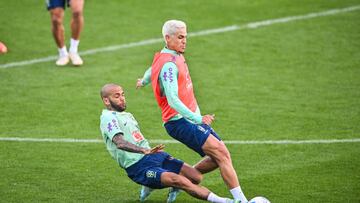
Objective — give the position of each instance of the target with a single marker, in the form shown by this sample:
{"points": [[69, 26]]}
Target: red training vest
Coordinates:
{"points": [[185, 87]]}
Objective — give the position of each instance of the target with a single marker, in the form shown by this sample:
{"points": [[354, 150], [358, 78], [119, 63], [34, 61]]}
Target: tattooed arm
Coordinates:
{"points": [[127, 146]]}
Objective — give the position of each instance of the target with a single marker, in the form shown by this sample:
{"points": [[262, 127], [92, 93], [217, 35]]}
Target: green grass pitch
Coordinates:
{"points": [[298, 80]]}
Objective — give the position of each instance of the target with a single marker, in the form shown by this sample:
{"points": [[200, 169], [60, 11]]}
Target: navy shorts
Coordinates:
{"points": [[190, 134], [149, 169], [51, 4]]}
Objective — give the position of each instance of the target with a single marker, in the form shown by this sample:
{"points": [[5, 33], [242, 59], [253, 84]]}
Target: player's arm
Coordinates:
{"points": [[145, 80], [127, 146], [169, 79]]}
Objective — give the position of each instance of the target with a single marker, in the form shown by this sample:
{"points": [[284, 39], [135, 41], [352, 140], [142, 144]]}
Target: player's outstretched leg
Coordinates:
{"points": [[206, 165], [190, 173], [174, 180], [219, 153]]}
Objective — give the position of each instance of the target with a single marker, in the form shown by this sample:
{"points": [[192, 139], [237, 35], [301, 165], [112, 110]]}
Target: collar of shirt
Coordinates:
{"points": [[169, 51]]}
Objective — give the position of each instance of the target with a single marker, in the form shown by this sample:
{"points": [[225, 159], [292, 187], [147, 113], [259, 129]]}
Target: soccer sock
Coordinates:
{"points": [[237, 193], [74, 45], [216, 199], [63, 51]]}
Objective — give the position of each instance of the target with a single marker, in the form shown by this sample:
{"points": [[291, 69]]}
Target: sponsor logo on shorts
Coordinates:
{"points": [[202, 129]]}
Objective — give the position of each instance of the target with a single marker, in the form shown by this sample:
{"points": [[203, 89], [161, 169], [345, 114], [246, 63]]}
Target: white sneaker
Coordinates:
{"points": [[75, 59], [63, 60], [230, 201], [236, 201]]}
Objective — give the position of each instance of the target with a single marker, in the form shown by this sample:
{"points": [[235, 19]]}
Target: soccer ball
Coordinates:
{"points": [[259, 200]]}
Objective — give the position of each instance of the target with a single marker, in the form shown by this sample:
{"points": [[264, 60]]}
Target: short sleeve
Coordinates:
{"points": [[110, 125]]}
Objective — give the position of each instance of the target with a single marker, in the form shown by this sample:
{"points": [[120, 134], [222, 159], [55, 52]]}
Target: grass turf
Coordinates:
{"points": [[298, 80]]}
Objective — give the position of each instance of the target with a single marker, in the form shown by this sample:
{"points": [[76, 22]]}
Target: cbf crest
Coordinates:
{"points": [[150, 174]]}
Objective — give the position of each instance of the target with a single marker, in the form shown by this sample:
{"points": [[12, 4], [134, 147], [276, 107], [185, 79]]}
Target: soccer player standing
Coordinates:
{"points": [[56, 9], [173, 90]]}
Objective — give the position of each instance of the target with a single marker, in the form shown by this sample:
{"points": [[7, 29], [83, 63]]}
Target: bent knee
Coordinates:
{"points": [[77, 14], [57, 14], [57, 20], [197, 179]]}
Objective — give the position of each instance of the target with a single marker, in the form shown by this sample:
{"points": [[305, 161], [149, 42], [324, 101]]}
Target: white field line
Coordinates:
{"points": [[237, 142], [252, 25]]}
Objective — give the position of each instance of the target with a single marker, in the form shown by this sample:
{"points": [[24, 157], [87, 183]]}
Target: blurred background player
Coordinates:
{"points": [[3, 48], [151, 168], [173, 90], [56, 9]]}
